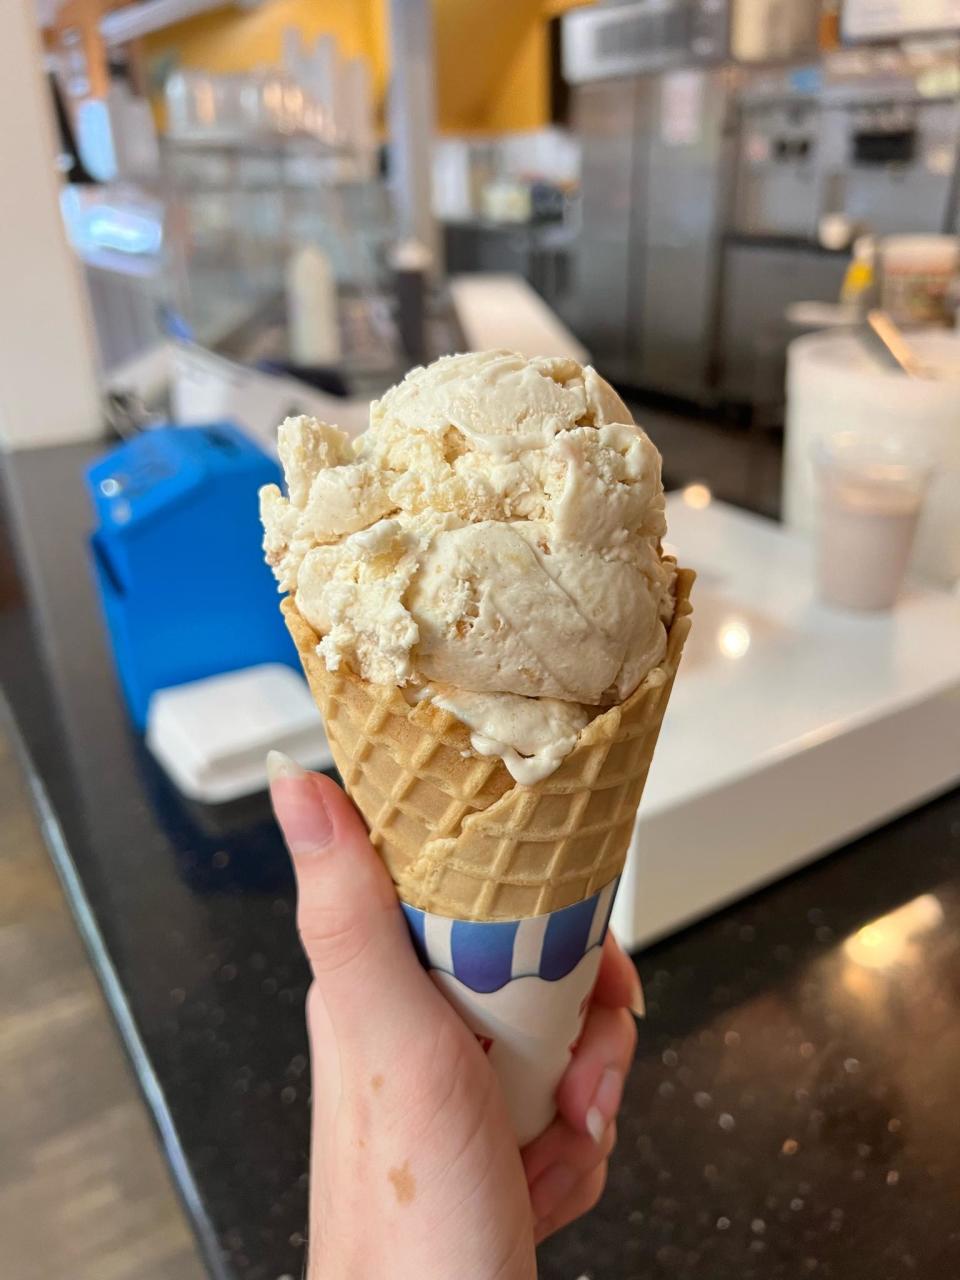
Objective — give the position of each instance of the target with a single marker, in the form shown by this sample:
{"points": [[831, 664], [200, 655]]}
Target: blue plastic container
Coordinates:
{"points": [[178, 558]]}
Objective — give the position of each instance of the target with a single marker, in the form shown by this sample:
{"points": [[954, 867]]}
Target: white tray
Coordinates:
{"points": [[792, 727]]}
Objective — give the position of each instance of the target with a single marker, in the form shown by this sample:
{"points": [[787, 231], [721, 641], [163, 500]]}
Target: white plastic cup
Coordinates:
{"points": [[917, 272], [871, 496]]}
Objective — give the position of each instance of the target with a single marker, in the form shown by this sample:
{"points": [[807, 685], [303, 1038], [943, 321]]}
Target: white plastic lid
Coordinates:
{"points": [[410, 255], [212, 736], [905, 252]]}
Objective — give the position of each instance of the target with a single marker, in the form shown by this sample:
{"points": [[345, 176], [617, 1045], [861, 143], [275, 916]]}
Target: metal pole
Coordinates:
{"points": [[412, 120]]}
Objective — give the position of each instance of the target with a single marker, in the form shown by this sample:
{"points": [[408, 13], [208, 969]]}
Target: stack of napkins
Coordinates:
{"points": [[212, 736]]}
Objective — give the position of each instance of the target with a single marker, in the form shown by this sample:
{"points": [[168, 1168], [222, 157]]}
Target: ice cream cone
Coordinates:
{"points": [[460, 838], [496, 536]]}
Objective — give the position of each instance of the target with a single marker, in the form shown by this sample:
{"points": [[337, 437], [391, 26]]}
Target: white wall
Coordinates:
{"points": [[48, 381]]}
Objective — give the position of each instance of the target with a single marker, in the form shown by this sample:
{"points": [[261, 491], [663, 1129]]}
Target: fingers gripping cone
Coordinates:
{"points": [[465, 843]]}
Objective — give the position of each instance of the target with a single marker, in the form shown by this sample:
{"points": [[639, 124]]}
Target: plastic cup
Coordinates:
{"points": [[871, 496], [917, 272]]}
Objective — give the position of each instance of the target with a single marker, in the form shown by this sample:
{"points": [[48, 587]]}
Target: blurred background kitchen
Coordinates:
{"points": [[745, 214]]}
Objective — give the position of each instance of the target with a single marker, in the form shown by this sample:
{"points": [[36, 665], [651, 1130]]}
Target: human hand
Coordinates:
{"points": [[415, 1171]]}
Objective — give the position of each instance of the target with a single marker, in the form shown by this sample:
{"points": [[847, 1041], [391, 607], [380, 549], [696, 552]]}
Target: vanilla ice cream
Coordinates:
{"points": [[491, 541]]}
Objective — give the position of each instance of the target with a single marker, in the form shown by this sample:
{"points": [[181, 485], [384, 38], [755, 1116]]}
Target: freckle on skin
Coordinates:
{"points": [[376, 1083], [403, 1183]]}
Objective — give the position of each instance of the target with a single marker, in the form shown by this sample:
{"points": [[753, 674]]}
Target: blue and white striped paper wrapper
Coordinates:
{"points": [[522, 986]]}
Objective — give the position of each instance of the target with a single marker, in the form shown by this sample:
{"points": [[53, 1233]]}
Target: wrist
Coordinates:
{"points": [[332, 1259]]}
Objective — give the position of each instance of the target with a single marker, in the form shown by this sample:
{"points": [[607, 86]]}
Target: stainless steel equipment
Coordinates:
{"points": [[653, 109], [628, 39], [704, 181], [652, 213], [771, 256], [653, 173], [680, 197], [623, 38], [889, 149], [778, 186], [604, 122], [761, 279], [871, 138]]}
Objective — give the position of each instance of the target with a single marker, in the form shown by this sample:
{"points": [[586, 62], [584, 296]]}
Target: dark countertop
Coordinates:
{"points": [[792, 1109]]}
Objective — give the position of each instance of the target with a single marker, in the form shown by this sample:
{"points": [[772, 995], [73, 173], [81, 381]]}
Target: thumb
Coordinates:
{"points": [[352, 929]]}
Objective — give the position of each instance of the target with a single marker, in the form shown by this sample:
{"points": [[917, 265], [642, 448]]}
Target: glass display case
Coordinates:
{"points": [[253, 173]]}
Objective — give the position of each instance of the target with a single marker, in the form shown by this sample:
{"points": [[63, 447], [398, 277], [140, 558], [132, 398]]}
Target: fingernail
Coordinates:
{"points": [[553, 1185], [280, 765], [300, 810], [605, 1102], [638, 1006]]}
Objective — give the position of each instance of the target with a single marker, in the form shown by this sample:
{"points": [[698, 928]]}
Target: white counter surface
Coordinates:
{"points": [[792, 726], [504, 311]]}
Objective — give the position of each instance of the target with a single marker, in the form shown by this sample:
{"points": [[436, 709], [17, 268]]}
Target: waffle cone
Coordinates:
{"points": [[458, 835]]}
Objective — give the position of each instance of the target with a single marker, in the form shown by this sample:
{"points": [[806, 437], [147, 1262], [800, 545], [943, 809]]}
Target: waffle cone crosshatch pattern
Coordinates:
{"points": [[458, 835]]}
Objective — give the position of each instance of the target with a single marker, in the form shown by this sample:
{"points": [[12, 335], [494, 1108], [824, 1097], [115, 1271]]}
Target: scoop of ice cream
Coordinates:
{"points": [[498, 401], [516, 608], [531, 735], [330, 494], [495, 529], [353, 594]]}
